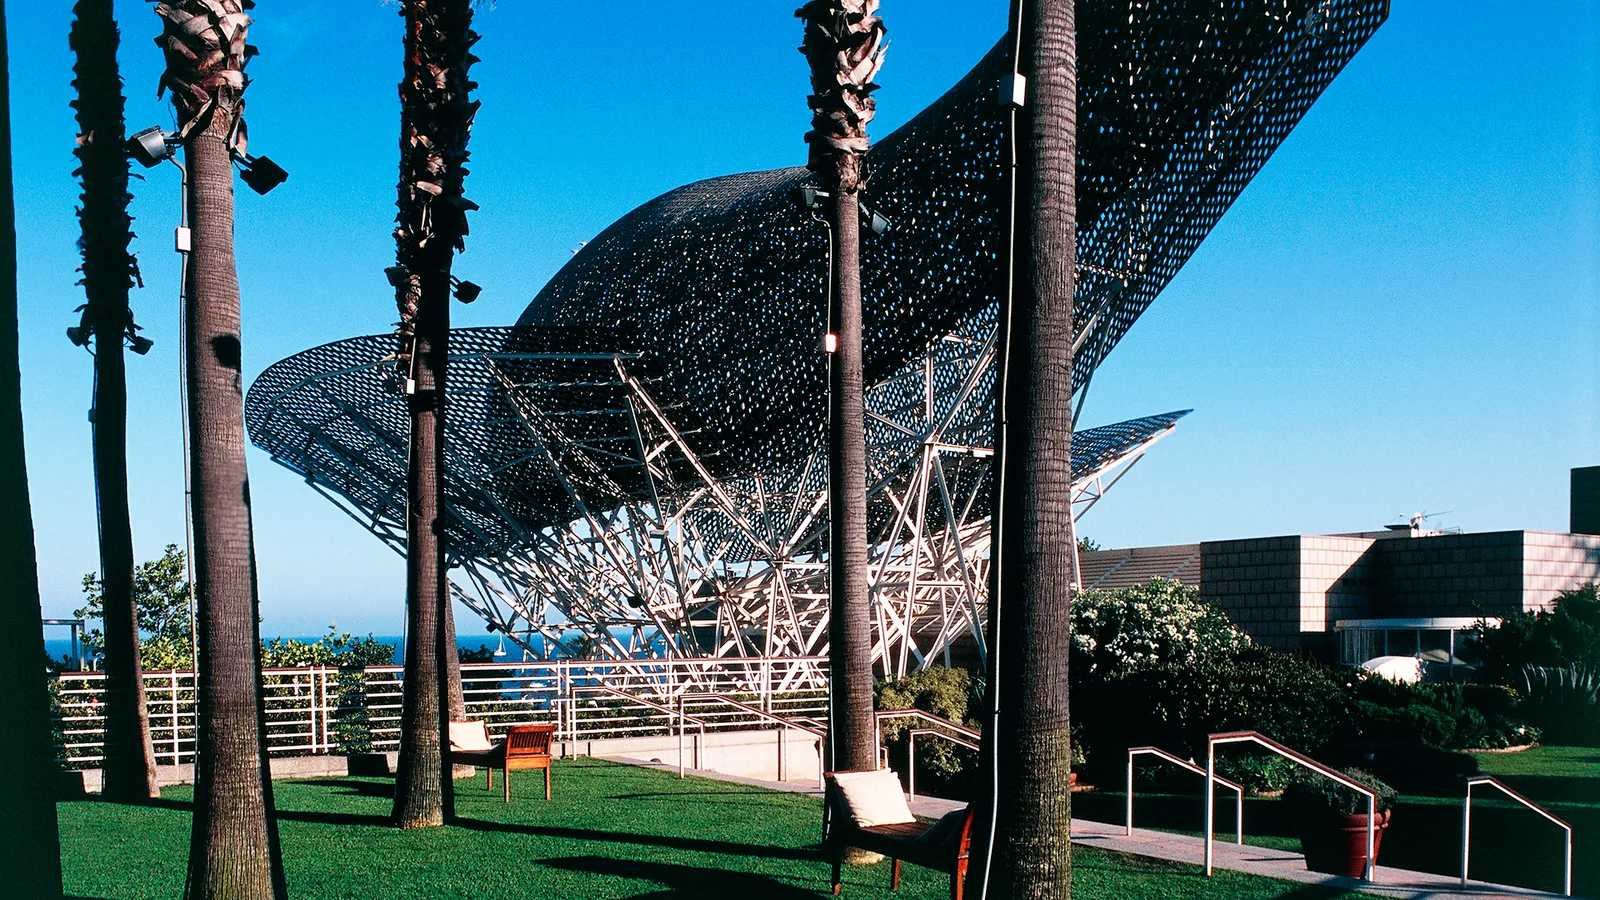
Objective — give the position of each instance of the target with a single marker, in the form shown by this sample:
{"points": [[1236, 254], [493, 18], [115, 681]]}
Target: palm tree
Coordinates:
{"points": [[1035, 550], [435, 123], [233, 849], [30, 847], [109, 271], [844, 45]]}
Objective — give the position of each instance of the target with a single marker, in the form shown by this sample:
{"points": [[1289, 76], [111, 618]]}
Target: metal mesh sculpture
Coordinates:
{"points": [[639, 459]]}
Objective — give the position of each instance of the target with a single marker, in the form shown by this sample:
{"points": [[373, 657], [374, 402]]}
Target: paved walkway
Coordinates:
{"points": [[1401, 884]]}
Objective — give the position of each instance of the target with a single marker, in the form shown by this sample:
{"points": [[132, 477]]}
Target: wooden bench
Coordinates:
{"points": [[524, 747], [908, 842]]}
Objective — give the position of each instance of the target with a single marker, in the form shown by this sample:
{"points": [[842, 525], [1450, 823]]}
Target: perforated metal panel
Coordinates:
{"points": [[644, 448]]}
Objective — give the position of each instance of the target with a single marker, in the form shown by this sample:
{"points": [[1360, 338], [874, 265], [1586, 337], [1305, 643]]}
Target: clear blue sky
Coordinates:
{"points": [[1401, 313]]}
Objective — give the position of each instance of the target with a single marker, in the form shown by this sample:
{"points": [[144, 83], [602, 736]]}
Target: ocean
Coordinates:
{"points": [[60, 647]]}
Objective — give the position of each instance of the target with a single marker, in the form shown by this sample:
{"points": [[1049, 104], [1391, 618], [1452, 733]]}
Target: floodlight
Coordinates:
{"points": [[396, 275], [877, 222], [466, 291], [150, 147], [259, 172], [140, 344], [79, 335], [809, 197]]}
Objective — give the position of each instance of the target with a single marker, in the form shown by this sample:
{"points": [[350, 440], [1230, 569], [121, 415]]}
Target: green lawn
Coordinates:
{"points": [[1543, 762], [613, 831]]}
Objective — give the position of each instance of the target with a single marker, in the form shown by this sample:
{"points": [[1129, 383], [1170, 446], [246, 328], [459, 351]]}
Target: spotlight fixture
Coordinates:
{"points": [[877, 222], [259, 172], [809, 197], [79, 335], [150, 147], [140, 344], [396, 275], [466, 291]]}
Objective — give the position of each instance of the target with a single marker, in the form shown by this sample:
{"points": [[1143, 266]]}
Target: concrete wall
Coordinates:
{"points": [[752, 754]]}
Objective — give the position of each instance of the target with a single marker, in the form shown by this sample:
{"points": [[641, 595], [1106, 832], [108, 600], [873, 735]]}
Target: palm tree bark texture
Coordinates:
{"points": [[109, 272], [844, 45], [436, 121], [234, 843], [1035, 550], [30, 848]]}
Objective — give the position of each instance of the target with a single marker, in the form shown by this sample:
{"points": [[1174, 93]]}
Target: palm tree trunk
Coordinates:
{"points": [[1035, 550], [435, 124], [109, 271], [844, 45], [30, 848], [233, 849]]}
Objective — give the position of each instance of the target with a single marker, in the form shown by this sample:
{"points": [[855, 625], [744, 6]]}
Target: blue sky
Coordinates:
{"points": [[1401, 313]]}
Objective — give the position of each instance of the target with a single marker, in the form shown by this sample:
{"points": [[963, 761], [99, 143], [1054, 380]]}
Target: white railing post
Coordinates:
{"points": [[1211, 811], [172, 683], [1466, 832], [1127, 816], [911, 764], [680, 735]]}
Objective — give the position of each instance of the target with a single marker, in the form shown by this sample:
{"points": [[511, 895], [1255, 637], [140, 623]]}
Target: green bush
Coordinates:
{"points": [[948, 693], [1148, 626], [1314, 794], [1450, 715], [1566, 635], [1565, 702], [1176, 707]]}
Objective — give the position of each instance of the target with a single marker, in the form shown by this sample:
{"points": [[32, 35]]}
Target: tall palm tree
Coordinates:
{"points": [[844, 45], [1035, 557], [435, 123], [233, 849], [30, 848], [109, 271]]}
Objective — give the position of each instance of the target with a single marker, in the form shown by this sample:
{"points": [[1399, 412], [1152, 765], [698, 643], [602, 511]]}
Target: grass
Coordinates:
{"points": [[1543, 762], [613, 831]]}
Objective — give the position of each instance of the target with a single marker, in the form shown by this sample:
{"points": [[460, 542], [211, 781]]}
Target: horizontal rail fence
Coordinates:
{"points": [[325, 710]]}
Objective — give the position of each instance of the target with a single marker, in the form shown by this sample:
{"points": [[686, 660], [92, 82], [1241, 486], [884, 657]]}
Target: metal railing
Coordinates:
{"points": [[963, 737], [783, 732], [1238, 790], [1466, 827], [682, 716], [1300, 759], [322, 709], [911, 754]]}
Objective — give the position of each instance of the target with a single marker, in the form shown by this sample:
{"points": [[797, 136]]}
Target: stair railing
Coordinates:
{"points": [[1238, 790], [1466, 826]]}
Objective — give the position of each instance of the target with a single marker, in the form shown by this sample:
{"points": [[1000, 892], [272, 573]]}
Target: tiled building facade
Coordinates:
{"points": [[1290, 592]]}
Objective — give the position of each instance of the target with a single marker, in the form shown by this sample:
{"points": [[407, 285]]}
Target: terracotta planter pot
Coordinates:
{"points": [[1337, 845]]}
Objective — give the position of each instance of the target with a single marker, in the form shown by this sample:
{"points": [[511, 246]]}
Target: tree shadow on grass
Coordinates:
{"points": [[353, 787], [698, 845], [684, 881]]}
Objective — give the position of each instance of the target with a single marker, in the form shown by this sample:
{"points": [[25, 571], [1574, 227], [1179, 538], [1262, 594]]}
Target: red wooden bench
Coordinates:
{"points": [[914, 842], [524, 747]]}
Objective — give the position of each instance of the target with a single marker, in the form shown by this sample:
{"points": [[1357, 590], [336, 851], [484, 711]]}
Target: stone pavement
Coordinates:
{"points": [[1401, 884]]}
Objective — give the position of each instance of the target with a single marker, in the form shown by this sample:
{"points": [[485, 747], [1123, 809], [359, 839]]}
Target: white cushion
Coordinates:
{"points": [[469, 736], [873, 798]]}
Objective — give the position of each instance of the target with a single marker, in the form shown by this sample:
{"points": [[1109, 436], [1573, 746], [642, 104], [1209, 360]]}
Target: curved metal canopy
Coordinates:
{"points": [[642, 449]]}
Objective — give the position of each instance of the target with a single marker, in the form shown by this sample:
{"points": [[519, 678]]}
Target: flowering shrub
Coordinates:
{"points": [[1163, 623]]}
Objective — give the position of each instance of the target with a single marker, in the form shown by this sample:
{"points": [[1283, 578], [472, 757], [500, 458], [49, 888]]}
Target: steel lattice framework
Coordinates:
{"points": [[640, 457]]}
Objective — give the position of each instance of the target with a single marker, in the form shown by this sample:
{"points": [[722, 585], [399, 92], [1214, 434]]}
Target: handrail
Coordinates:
{"points": [[1238, 813], [1466, 826], [1238, 737], [911, 754], [679, 712], [957, 727], [783, 739]]}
